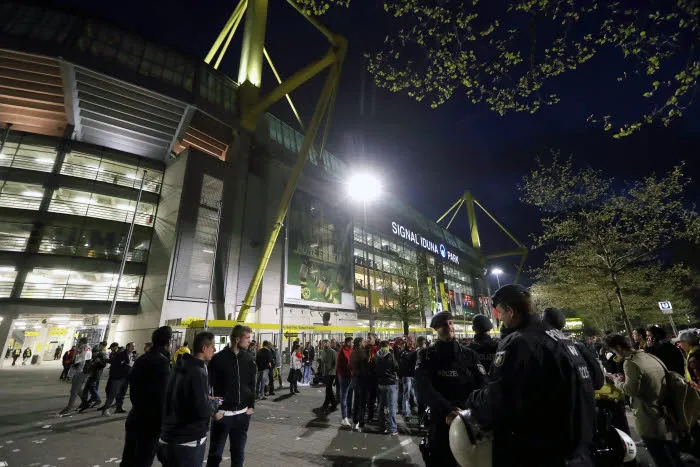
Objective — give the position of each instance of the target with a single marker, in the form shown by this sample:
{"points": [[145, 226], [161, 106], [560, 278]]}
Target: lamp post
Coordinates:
{"points": [[497, 272], [364, 187]]}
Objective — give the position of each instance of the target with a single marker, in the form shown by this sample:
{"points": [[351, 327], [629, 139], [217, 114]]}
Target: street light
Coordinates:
{"points": [[497, 272], [365, 187]]}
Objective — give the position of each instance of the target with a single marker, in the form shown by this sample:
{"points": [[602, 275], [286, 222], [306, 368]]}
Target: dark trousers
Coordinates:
{"points": [[14, 359], [359, 391], [371, 397], [439, 444], [176, 455], [90, 391], [236, 429], [271, 381], [279, 375], [139, 449], [665, 453], [115, 392], [330, 396], [64, 373]]}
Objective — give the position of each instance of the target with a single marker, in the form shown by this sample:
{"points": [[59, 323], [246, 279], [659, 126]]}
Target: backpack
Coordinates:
{"points": [[680, 402]]}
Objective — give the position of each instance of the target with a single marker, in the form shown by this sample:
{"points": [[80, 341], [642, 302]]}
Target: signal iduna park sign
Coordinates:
{"points": [[438, 249]]}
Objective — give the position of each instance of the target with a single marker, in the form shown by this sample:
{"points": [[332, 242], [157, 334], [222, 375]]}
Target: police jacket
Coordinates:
{"points": [[485, 348], [232, 376], [539, 401], [446, 373], [188, 408]]}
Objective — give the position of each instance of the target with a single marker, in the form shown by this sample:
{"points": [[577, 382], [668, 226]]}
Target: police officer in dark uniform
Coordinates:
{"points": [[539, 400], [446, 373], [483, 344]]}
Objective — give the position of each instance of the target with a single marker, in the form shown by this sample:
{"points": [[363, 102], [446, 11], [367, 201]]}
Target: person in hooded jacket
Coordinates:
{"points": [[387, 368], [660, 347], [359, 363], [188, 407], [147, 385], [483, 344]]}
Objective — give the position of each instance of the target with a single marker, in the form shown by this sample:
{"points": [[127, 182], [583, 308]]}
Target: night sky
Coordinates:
{"points": [[430, 157]]}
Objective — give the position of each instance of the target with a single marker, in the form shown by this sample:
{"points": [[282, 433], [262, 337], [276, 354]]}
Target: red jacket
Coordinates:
{"points": [[342, 364]]}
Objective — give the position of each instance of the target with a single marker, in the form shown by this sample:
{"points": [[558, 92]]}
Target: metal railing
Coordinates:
{"points": [[151, 183], [101, 212], [6, 289], [78, 292], [9, 200], [76, 249], [19, 161], [13, 242]]}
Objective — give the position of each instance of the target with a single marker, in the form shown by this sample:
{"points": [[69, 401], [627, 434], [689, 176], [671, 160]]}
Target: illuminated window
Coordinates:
{"points": [[7, 280], [28, 156], [95, 242], [64, 284], [14, 237], [82, 203], [80, 164], [20, 195]]}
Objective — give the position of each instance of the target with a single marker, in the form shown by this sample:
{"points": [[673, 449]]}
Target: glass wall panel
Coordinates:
{"points": [[14, 236], [28, 156], [20, 195], [7, 280], [63, 284], [82, 203], [93, 167], [95, 242]]}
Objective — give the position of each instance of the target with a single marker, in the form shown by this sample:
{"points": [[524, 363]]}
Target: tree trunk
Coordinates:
{"points": [[405, 327], [621, 302]]}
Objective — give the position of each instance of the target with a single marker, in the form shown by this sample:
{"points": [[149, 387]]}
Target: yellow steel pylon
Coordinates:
{"points": [[252, 105], [469, 202]]}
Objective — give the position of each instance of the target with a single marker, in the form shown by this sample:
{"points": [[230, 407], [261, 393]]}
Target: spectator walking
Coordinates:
{"points": [[359, 363], [659, 346], [327, 360], [188, 407], [147, 386], [263, 360], [306, 364], [83, 354], [386, 379], [278, 366], [26, 355], [93, 369], [645, 382], [343, 371], [67, 362], [232, 377], [295, 369], [119, 367]]}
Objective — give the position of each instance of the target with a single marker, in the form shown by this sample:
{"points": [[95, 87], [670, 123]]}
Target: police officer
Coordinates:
{"points": [[445, 374], [539, 401], [484, 346]]}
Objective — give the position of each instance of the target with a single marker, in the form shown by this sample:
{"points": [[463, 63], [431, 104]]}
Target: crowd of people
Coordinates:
{"points": [[543, 398]]}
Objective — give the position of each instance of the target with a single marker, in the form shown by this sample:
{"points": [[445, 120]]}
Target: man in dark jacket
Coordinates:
{"points": [[188, 407], [483, 344], [119, 370], [386, 368], [147, 385], [661, 348], [359, 364], [93, 368], [539, 401], [232, 376], [263, 360]]}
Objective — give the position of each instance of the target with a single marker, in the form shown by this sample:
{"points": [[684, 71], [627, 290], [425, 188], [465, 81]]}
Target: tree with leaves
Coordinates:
{"points": [[609, 238], [512, 54], [401, 298]]}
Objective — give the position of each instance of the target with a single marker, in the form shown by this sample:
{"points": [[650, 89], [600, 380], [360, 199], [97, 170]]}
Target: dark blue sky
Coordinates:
{"points": [[430, 157]]}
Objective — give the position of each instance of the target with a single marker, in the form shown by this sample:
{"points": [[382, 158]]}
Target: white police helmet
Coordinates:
{"points": [[470, 445], [630, 447]]}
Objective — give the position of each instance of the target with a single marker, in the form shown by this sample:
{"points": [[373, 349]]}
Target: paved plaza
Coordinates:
{"points": [[284, 431]]}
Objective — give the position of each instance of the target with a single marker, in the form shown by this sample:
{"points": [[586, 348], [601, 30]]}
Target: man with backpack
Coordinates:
{"points": [[645, 381]]}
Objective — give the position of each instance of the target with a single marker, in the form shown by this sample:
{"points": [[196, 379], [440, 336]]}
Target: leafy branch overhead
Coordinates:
{"points": [[605, 239], [510, 54]]}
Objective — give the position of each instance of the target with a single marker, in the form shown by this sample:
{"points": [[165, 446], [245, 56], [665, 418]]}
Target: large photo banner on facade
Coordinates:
{"points": [[319, 260]]}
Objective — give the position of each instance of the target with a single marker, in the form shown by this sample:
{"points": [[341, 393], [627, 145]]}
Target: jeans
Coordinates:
{"points": [[359, 387], [345, 395], [139, 449], [236, 428], [665, 453], [387, 399], [307, 373], [114, 391], [176, 455], [90, 392], [76, 389], [261, 383], [409, 394], [330, 397]]}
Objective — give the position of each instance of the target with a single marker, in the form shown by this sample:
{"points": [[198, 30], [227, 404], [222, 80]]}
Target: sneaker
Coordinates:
{"points": [[106, 413], [94, 404], [346, 422], [394, 433], [296, 391], [63, 412], [271, 394], [120, 410], [356, 427]]}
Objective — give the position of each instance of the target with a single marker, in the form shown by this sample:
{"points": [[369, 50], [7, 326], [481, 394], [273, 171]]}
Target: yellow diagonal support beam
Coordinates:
{"points": [[237, 12], [236, 22], [279, 81]]}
